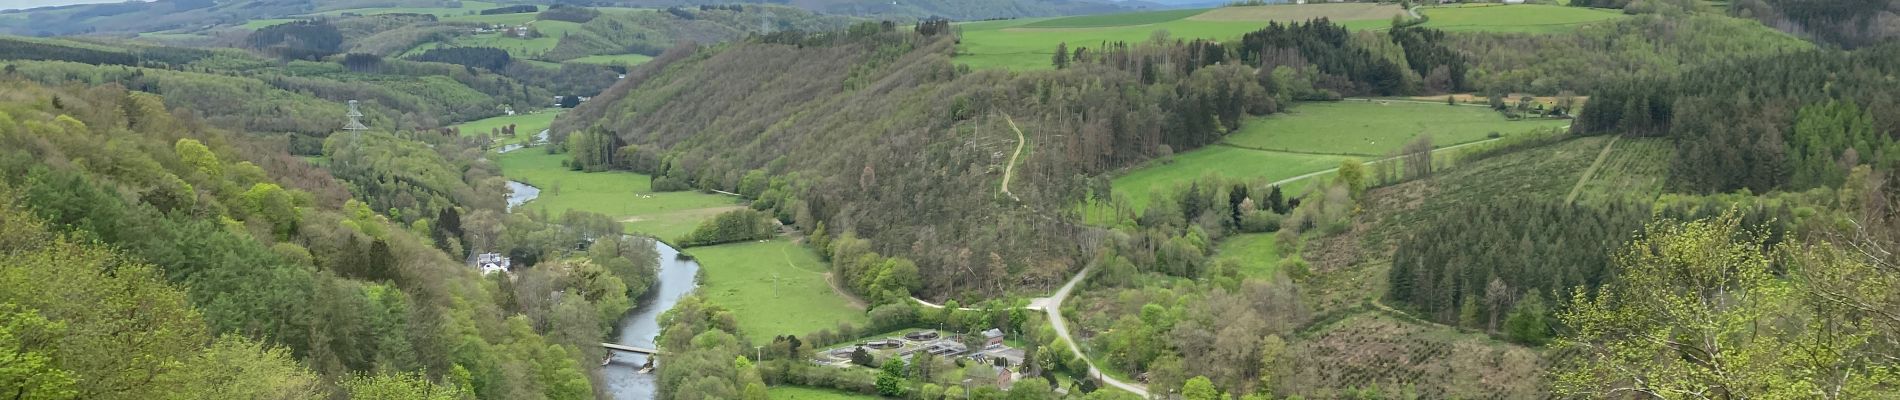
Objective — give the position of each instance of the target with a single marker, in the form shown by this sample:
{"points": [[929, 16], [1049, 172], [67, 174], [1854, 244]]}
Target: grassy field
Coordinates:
{"points": [[523, 48], [1372, 129], [773, 288], [1532, 18], [805, 393], [526, 125], [1297, 13], [468, 7], [623, 195], [501, 19], [1256, 254], [1232, 162], [1123, 19], [615, 59], [1030, 43], [265, 23]]}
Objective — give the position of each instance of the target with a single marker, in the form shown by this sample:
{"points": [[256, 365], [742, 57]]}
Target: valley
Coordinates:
{"points": [[1026, 200]]}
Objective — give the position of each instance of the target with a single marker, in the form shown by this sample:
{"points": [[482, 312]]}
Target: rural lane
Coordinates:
{"points": [[1054, 308]]}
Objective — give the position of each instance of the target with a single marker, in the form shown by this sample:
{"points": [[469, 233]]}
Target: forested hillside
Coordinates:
{"points": [[650, 33], [233, 238], [868, 101]]}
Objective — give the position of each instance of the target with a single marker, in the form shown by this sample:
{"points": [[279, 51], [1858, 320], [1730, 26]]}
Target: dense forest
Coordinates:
{"points": [[1790, 121]]}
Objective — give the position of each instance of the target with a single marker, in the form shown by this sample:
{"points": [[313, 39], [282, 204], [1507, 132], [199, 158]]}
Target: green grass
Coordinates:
{"points": [[773, 288], [615, 59], [1228, 161], [805, 393], [625, 196], [1532, 18], [522, 48], [1635, 170], [1123, 19], [469, 7], [526, 125], [265, 23], [1030, 43], [1255, 254], [1374, 129], [502, 19]]}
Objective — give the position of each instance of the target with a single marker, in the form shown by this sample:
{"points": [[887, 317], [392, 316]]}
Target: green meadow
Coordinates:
{"points": [[526, 125], [1256, 255], [265, 23], [1530, 18], [625, 196], [1372, 129], [1031, 43], [614, 59], [1138, 186], [1108, 20], [773, 288], [468, 7], [805, 393]]}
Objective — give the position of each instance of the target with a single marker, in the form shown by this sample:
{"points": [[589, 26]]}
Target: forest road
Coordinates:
{"points": [[1054, 308]]}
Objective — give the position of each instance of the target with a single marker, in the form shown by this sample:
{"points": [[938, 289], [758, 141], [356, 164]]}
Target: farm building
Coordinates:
{"points": [[993, 338]]}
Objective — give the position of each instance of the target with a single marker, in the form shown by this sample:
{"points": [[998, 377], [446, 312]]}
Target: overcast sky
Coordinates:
{"points": [[18, 4]]}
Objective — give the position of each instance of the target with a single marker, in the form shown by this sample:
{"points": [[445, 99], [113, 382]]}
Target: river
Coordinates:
{"points": [[676, 277], [641, 326]]}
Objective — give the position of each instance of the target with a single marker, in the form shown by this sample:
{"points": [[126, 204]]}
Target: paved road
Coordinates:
{"points": [[1054, 309]]}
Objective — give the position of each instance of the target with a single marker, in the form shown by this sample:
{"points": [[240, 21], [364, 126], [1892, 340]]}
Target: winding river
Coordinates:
{"points": [[640, 327]]}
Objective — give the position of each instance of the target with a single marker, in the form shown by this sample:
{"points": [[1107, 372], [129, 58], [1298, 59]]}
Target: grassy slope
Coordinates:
{"points": [[1030, 43], [805, 393], [615, 59], [1229, 161], [1372, 129], [773, 288], [1257, 254], [469, 7], [1635, 170], [526, 125], [1096, 21], [623, 195], [1532, 18]]}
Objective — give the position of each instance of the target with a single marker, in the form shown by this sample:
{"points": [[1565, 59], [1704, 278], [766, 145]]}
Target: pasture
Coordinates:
{"points": [[1141, 185], [614, 59], [526, 125], [1255, 255], [805, 393], [265, 23], [468, 7], [625, 196], [773, 288], [1031, 43], [1372, 129], [1527, 18]]}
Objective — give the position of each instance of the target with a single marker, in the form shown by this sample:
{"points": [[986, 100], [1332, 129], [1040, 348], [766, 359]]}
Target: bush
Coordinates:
{"points": [[1260, 221], [524, 8]]}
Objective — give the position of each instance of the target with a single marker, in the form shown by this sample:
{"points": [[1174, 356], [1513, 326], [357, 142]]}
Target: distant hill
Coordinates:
{"points": [[953, 9]]}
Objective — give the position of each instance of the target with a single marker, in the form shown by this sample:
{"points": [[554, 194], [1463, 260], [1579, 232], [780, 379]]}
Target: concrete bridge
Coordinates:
{"points": [[629, 349]]}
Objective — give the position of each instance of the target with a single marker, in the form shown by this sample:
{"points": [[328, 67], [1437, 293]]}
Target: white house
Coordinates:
{"points": [[492, 263]]}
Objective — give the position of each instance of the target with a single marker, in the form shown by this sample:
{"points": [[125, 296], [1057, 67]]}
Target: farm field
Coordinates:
{"points": [[502, 19], [615, 59], [1139, 185], [526, 125], [1373, 129], [623, 195], [1030, 43], [468, 7], [1121, 19], [805, 393], [773, 288], [265, 23], [1256, 255], [521, 48], [1528, 18]]}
